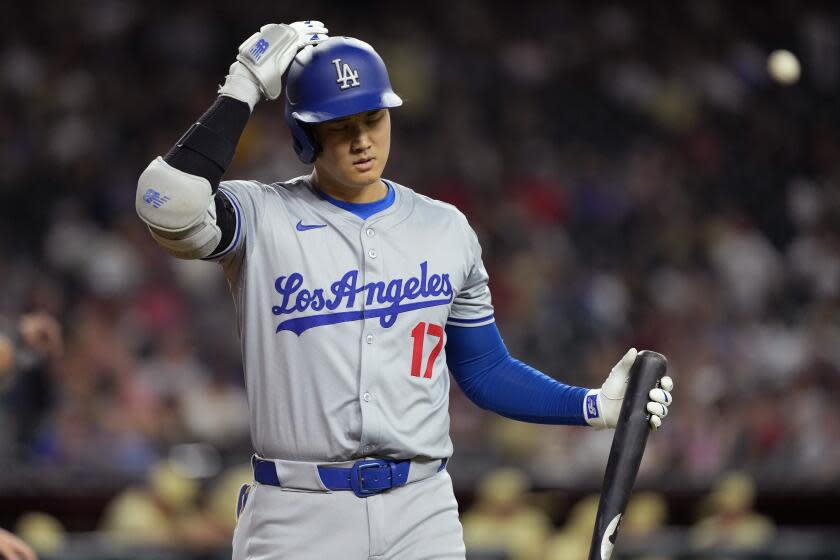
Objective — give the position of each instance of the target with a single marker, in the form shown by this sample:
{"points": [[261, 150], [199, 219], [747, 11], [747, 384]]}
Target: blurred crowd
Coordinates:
{"points": [[634, 175], [507, 521]]}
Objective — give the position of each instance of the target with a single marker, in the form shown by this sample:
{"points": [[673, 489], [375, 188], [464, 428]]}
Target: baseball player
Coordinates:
{"points": [[356, 298]]}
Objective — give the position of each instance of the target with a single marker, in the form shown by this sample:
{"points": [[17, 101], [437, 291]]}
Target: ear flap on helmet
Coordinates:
{"points": [[303, 138]]}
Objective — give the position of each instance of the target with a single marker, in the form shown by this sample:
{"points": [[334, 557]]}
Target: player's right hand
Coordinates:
{"points": [[269, 52]]}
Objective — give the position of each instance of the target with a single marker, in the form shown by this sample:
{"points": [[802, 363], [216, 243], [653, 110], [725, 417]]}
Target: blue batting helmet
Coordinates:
{"points": [[337, 78]]}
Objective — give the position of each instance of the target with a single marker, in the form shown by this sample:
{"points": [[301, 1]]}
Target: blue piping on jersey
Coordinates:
{"points": [[457, 321], [363, 210], [492, 379]]}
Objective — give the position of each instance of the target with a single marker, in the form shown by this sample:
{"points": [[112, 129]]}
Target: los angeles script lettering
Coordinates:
{"points": [[344, 292]]}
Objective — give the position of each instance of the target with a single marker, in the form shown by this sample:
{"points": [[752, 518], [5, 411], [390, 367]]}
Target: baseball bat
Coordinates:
{"points": [[628, 446]]}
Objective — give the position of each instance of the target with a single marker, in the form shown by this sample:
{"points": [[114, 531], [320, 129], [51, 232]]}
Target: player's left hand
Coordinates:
{"points": [[603, 406]]}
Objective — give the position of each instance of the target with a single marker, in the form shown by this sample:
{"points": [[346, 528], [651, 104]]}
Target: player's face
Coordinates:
{"points": [[354, 151]]}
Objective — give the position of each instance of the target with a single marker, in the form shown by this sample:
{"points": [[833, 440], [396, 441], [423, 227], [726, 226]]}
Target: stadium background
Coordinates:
{"points": [[633, 173]]}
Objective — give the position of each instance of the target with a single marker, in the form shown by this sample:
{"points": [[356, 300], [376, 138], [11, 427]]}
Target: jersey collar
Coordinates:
{"points": [[396, 212], [364, 210]]}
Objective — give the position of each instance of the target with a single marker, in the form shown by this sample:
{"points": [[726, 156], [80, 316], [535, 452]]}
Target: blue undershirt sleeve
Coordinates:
{"points": [[492, 379]]}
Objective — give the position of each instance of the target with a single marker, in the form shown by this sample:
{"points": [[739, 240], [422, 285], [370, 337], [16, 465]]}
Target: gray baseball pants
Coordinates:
{"points": [[418, 521]]}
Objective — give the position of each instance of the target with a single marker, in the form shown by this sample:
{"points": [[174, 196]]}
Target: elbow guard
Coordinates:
{"points": [[179, 210]]}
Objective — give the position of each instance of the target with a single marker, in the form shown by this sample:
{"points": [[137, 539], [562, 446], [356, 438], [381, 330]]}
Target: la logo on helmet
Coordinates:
{"points": [[347, 77]]}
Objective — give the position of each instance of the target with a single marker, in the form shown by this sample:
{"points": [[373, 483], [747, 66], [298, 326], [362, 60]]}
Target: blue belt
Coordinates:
{"points": [[365, 478]]}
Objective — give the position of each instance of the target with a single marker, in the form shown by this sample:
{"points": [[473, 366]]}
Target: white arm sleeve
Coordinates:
{"points": [[179, 210]]}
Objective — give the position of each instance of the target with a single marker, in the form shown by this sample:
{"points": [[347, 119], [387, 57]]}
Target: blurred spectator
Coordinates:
{"points": [[42, 333], [7, 355], [730, 522], [222, 497], [502, 521], [571, 542], [28, 354], [40, 340], [164, 513], [44, 532], [645, 517], [229, 422]]}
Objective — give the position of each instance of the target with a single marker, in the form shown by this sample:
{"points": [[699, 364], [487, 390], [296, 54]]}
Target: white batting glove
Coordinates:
{"points": [[264, 57], [601, 407]]}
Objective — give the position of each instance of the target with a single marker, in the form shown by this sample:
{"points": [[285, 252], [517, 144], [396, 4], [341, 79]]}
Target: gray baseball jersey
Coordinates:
{"points": [[342, 319]]}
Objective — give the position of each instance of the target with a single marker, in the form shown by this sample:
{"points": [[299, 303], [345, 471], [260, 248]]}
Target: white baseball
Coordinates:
{"points": [[783, 67]]}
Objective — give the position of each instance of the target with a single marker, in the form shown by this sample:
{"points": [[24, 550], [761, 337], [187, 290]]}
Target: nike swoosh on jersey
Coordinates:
{"points": [[303, 227]]}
